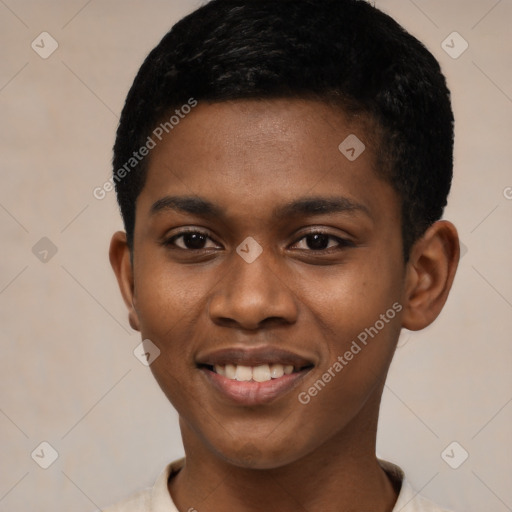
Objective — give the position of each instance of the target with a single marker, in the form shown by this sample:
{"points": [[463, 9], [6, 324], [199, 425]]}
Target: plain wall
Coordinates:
{"points": [[68, 375]]}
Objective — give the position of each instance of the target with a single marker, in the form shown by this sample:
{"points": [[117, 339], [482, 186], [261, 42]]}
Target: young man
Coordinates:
{"points": [[281, 168]]}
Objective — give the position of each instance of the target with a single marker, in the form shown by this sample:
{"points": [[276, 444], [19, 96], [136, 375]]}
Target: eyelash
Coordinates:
{"points": [[342, 243]]}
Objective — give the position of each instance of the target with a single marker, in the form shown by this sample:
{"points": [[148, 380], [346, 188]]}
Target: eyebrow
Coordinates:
{"points": [[307, 206], [187, 204], [310, 206]]}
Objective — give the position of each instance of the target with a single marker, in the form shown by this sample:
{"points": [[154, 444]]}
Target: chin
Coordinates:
{"points": [[254, 455]]}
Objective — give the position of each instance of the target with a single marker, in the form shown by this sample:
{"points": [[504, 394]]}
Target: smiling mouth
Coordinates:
{"points": [[253, 376], [260, 373]]}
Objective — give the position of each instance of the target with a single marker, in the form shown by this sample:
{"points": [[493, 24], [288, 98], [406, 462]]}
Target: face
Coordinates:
{"points": [[268, 271]]}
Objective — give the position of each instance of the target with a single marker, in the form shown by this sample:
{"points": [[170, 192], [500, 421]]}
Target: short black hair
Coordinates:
{"points": [[345, 52]]}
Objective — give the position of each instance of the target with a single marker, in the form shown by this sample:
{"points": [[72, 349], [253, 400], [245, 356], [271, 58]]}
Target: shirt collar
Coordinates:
{"points": [[407, 501]]}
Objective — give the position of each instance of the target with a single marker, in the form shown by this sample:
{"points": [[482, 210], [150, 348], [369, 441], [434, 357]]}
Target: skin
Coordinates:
{"points": [[248, 158]]}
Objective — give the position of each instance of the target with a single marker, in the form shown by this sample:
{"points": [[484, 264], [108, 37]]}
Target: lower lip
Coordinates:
{"points": [[254, 393]]}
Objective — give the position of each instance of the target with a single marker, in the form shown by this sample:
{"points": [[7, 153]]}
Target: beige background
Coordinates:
{"points": [[68, 375]]}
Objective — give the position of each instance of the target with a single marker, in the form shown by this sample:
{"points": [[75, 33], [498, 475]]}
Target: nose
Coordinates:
{"points": [[251, 295]]}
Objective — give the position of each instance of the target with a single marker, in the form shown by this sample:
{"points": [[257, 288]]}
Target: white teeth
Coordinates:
{"points": [[220, 369], [276, 371], [230, 371], [262, 373], [243, 373]]}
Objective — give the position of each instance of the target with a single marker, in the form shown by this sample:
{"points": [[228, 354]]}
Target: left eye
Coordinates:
{"points": [[320, 241]]}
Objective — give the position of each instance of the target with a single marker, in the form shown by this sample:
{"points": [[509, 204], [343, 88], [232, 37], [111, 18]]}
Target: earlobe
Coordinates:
{"points": [[429, 275], [120, 260]]}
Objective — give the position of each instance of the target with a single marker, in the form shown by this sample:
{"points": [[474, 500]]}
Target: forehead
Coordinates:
{"points": [[262, 153]]}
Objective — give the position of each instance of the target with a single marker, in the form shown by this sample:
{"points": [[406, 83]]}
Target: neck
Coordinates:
{"points": [[341, 474]]}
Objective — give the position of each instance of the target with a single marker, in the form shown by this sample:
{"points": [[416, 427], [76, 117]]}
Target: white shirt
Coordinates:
{"points": [[158, 499]]}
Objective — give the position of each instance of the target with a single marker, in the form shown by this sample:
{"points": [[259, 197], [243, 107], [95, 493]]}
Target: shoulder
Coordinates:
{"points": [[408, 499], [154, 498], [138, 502]]}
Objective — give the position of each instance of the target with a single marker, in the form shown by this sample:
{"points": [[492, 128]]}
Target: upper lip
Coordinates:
{"points": [[256, 356]]}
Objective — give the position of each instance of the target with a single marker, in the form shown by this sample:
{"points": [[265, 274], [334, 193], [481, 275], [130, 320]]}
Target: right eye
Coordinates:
{"points": [[190, 240]]}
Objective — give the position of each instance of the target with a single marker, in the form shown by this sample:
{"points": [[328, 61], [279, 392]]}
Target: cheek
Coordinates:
{"points": [[358, 317], [351, 298], [168, 314], [167, 300]]}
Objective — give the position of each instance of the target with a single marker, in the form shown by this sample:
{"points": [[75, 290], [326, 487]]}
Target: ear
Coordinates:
{"points": [[429, 275], [120, 259]]}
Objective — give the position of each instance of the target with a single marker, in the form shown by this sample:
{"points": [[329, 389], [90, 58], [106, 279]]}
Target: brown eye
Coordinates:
{"points": [[194, 241], [322, 241], [317, 241], [189, 240]]}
